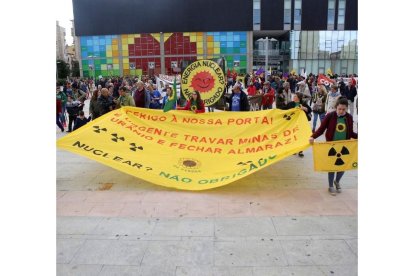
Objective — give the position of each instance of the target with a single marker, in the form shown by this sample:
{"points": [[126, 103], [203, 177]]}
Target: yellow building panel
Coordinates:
{"points": [[124, 36], [131, 40], [125, 53], [108, 53], [116, 61], [210, 51], [199, 51], [138, 72], [125, 40], [217, 50], [193, 38], [114, 41], [132, 72], [209, 56], [104, 67], [115, 53], [114, 47], [109, 47], [210, 44], [126, 72], [200, 33], [216, 44], [116, 66], [199, 39], [137, 35], [210, 38], [186, 34]]}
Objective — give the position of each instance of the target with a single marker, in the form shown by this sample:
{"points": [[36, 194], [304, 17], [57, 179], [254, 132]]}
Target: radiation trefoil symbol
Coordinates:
{"points": [[288, 117], [339, 161]]}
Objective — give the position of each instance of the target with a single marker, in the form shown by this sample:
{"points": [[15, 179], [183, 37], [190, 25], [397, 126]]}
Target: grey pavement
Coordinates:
{"points": [[279, 221]]}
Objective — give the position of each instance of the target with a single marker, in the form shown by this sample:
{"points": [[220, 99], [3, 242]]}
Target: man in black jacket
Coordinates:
{"points": [[350, 94], [106, 102], [238, 100], [72, 107]]}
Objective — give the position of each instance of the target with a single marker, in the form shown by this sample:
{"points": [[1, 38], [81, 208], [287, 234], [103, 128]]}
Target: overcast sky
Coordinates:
{"points": [[64, 15]]}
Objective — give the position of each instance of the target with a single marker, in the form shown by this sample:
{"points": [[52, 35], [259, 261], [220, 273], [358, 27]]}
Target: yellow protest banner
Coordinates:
{"points": [[190, 151], [335, 156]]}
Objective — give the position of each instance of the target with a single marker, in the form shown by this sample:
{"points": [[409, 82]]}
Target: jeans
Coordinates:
{"points": [[62, 115], [331, 176], [265, 107], [58, 123], [315, 119]]}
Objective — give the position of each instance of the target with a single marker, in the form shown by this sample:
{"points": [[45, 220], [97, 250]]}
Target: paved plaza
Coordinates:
{"points": [[278, 221]]}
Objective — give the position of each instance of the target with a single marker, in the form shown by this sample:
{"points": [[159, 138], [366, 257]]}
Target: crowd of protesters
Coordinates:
{"points": [[332, 104]]}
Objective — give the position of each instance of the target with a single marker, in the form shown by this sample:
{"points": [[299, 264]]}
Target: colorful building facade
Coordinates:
{"points": [[138, 54]]}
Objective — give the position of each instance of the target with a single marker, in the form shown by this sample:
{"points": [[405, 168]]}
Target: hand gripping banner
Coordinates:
{"points": [[335, 156], [188, 151]]}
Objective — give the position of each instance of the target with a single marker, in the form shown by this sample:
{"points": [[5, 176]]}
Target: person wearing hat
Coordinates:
{"points": [[268, 96], [299, 102], [332, 98]]}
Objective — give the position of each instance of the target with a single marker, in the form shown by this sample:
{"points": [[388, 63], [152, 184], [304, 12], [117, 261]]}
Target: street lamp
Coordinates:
{"points": [[266, 40]]}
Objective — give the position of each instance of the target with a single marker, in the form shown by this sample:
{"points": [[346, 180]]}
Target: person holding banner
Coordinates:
{"points": [[338, 126], [165, 99], [195, 104]]}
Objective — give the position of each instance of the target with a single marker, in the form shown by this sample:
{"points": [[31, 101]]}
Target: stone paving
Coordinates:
{"points": [[278, 221]]}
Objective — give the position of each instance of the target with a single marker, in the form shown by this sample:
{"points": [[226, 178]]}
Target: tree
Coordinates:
{"points": [[62, 69], [75, 69]]}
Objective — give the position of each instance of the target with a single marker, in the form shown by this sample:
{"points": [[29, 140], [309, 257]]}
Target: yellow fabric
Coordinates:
{"points": [[190, 151], [335, 156]]}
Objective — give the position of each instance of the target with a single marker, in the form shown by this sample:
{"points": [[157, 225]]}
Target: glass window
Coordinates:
{"points": [[298, 14], [256, 16], [287, 16], [256, 4], [331, 4], [288, 4], [341, 4], [298, 4], [309, 45], [331, 17]]}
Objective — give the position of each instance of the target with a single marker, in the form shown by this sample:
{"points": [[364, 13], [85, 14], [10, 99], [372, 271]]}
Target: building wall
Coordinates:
{"points": [[317, 51], [60, 42], [130, 54]]}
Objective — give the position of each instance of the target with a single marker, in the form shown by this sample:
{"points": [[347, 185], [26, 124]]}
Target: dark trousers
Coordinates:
{"points": [[59, 124], [72, 119]]}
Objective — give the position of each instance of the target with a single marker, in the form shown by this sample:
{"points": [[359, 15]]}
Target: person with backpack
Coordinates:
{"points": [[339, 126]]}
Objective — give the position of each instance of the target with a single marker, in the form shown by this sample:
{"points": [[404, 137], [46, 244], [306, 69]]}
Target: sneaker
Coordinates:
{"points": [[338, 187], [332, 191], [301, 154]]}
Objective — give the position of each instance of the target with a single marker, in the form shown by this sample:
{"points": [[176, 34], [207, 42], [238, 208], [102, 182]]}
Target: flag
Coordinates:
{"points": [[303, 73], [335, 156], [172, 100], [324, 80], [259, 71], [329, 72]]}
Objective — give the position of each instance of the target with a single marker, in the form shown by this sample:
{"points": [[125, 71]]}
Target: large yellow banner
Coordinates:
{"points": [[335, 156], [190, 151]]}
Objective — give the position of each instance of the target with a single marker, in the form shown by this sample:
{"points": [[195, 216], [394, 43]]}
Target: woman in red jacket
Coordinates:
{"points": [[339, 125], [195, 104]]}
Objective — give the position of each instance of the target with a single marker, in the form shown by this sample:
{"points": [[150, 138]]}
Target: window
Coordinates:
{"points": [[297, 14], [341, 14], [331, 14], [256, 14], [287, 18]]}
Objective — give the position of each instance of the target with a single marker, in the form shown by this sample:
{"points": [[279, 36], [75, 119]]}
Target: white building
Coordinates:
{"points": [[60, 42]]}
